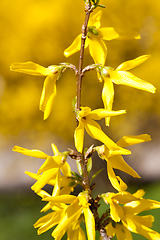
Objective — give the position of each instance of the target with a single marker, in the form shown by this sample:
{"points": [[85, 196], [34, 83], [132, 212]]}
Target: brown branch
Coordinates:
{"points": [[88, 10]]}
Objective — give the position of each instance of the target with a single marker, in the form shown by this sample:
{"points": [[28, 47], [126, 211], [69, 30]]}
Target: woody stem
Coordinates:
{"points": [[88, 10]]}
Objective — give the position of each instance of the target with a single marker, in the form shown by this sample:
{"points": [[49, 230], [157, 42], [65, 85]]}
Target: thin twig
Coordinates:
{"points": [[83, 39], [88, 10]]}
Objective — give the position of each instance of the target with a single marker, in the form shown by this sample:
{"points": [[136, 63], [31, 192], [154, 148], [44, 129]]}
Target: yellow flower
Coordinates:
{"points": [[85, 118], [125, 207], [53, 74], [121, 76], [94, 40], [68, 217], [119, 230], [116, 161], [50, 169]]}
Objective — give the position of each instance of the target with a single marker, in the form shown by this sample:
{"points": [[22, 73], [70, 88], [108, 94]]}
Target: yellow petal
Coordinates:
{"points": [[131, 140], [141, 205], [84, 111], [32, 153], [146, 220], [108, 96], [123, 197], [61, 199], [128, 79], [132, 63], [118, 185], [72, 213], [81, 235], [79, 137], [33, 175], [54, 149], [90, 223], [118, 162], [66, 169], [139, 194], [97, 49], [46, 222], [98, 114], [95, 20], [108, 33], [44, 179], [138, 227], [50, 163], [75, 46], [122, 232], [94, 130], [48, 95], [31, 68], [111, 231]]}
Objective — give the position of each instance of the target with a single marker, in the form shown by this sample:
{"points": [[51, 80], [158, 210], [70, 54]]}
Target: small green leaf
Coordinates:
{"points": [[102, 6], [89, 165], [76, 175], [79, 168], [95, 175], [74, 101]]}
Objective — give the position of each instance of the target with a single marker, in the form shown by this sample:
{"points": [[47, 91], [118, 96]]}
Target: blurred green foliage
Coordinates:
{"points": [[39, 31]]}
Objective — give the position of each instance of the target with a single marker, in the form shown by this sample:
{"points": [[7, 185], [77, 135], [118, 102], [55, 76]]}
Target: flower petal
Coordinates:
{"points": [[95, 131], [132, 63], [108, 33], [118, 162], [95, 20], [131, 140], [75, 46], [50, 163], [32, 153], [119, 186], [98, 114], [90, 223], [140, 205], [128, 79], [97, 49], [84, 111], [138, 227], [44, 179], [31, 68], [48, 95], [108, 96], [61, 199], [66, 169], [122, 232], [79, 136]]}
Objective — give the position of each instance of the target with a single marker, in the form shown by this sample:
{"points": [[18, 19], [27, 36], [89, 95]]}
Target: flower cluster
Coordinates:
{"points": [[67, 211]]}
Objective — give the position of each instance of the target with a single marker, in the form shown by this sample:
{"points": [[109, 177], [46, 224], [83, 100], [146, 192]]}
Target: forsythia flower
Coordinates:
{"points": [[94, 40], [121, 76], [133, 204], [115, 160], [50, 169], [68, 217], [85, 118], [53, 74]]}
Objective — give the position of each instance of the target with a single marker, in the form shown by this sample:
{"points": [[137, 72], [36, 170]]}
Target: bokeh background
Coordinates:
{"points": [[39, 31]]}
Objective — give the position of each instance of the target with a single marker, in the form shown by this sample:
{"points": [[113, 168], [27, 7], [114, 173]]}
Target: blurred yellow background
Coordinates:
{"points": [[39, 31]]}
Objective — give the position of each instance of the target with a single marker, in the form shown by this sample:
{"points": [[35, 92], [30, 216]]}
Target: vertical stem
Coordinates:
{"points": [[83, 39], [79, 83]]}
